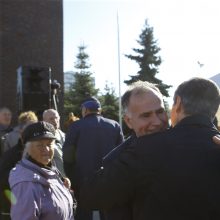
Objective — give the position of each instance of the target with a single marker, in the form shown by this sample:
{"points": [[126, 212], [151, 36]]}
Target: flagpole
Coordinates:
{"points": [[119, 74]]}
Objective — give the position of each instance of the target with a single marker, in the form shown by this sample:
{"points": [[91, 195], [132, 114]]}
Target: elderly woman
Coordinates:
{"points": [[39, 191]]}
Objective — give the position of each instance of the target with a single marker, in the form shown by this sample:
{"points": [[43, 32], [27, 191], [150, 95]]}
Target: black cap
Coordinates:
{"points": [[37, 131], [91, 103]]}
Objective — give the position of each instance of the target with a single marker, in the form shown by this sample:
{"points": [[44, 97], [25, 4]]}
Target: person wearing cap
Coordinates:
{"points": [[87, 141], [13, 153], [39, 192]]}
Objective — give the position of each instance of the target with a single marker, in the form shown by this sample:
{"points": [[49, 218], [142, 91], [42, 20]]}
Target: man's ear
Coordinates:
{"points": [[83, 111], [178, 104], [127, 121], [99, 111]]}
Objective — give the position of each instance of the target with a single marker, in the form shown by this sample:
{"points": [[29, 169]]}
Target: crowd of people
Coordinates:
{"points": [[90, 172]]}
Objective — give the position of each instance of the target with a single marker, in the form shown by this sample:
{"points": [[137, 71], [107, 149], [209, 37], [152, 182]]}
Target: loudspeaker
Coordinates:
{"points": [[33, 88]]}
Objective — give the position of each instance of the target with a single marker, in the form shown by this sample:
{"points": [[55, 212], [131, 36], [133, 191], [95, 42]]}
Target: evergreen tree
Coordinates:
{"points": [[148, 60], [83, 85], [109, 102]]}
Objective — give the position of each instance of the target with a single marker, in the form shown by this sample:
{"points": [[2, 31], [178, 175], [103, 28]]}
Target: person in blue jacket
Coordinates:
{"points": [[38, 189], [88, 140]]}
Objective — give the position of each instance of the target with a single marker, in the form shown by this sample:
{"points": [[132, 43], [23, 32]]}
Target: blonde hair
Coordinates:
{"points": [[25, 117]]}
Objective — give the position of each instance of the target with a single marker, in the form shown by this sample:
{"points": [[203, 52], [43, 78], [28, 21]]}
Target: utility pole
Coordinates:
{"points": [[119, 73]]}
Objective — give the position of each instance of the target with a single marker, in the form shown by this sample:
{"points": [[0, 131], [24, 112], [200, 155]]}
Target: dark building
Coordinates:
{"points": [[31, 38]]}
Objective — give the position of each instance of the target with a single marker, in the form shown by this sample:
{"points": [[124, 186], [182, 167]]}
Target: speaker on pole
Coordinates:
{"points": [[33, 88]]}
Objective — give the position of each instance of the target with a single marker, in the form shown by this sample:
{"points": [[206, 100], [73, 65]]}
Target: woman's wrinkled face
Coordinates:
{"points": [[41, 150]]}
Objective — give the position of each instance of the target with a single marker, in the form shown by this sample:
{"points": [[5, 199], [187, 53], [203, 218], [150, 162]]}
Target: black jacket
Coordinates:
{"points": [[7, 161], [87, 142], [124, 211], [169, 175]]}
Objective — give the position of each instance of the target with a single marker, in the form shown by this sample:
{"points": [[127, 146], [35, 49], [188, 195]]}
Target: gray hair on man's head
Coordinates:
{"points": [[49, 111], [199, 96], [3, 109], [138, 88]]}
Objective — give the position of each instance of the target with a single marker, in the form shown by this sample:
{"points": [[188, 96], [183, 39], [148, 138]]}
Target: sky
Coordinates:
{"points": [[187, 31]]}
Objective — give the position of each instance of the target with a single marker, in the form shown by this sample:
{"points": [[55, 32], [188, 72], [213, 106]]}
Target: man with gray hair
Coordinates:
{"points": [[173, 174], [52, 116], [144, 113]]}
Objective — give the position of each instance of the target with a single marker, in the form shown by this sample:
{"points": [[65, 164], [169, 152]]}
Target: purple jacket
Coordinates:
{"points": [[39, 194]]}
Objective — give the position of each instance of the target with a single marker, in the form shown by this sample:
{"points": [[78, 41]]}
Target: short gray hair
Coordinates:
{"points": [[138, 88], [49, 111], [199, 96]]}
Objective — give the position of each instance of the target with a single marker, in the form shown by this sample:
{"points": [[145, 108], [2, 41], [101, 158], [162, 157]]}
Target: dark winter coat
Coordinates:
{"points": [[87, 142], [169, 175], [124, 211], [7, 162]]}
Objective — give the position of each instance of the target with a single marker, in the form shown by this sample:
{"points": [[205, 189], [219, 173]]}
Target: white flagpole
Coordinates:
{"points": [[119, 74]]}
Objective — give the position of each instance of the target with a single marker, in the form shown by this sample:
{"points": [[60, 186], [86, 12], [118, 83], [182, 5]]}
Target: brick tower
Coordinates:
{"points": [[31, 35]]}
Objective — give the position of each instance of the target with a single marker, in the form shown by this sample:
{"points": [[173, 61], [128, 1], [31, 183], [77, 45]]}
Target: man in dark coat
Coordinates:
{"points": [[144, 113], [88, 140], [168, 175]]}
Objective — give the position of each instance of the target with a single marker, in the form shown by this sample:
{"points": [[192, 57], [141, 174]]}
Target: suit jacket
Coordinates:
{"points": [[169, 175]]}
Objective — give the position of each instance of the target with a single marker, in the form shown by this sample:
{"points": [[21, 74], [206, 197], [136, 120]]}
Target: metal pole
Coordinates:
{"points": [[119, 74]]}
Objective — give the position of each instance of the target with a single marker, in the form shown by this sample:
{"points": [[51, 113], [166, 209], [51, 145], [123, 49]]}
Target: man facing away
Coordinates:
{"points": [[87, 141], [173, 174]]}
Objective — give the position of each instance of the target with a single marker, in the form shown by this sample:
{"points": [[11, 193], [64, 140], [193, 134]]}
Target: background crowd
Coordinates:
{"points": [[160, 171]]}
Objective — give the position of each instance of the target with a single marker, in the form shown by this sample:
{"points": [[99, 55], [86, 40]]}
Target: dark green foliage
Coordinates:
{"points": [[83, 85], [148, 60], [110, 105]]}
